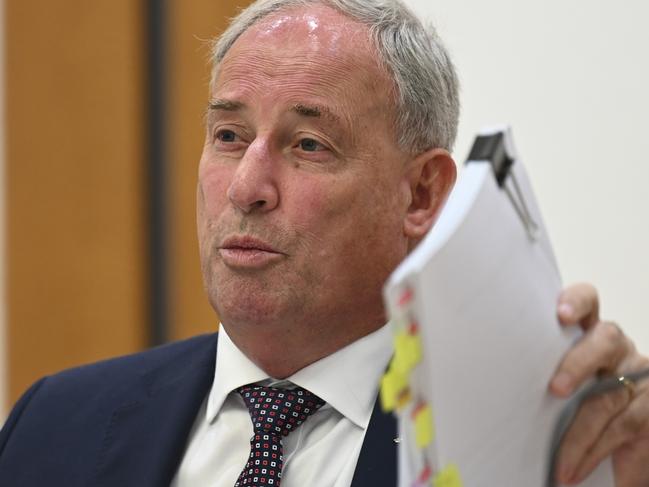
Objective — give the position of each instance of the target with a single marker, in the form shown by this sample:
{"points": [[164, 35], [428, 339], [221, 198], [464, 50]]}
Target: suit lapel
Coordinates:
{"points": [[377, 462], [146, 437]]}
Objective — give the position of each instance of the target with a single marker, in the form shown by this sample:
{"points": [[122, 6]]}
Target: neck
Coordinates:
{"points": [[281, 350]]}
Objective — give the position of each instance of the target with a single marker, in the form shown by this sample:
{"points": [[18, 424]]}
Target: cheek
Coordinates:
{"points": [[310, 204], [213, 184], [325, 201], [211, 201], [339, 215], [375, 222]]}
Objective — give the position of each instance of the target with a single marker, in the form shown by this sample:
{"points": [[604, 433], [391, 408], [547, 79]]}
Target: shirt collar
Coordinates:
{"points": [[347, 379]]}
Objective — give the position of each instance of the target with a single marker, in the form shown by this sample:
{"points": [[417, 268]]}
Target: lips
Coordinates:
{"points": [[248, 252], [247, 243]]}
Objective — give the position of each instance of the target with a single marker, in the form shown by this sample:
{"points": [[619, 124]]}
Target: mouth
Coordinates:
{"points": [[247, 243], [248, 252]]}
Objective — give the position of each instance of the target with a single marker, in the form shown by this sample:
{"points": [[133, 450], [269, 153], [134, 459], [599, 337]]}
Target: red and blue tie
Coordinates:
{"points": [[274, 413]]}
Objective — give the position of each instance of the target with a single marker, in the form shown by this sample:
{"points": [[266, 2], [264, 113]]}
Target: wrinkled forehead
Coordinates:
{"points": [[317, 34]]}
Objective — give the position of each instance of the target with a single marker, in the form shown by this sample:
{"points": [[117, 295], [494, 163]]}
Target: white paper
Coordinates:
{"points": [[485, 298]]}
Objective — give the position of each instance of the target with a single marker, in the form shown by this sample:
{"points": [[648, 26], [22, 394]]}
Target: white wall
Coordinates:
{"points": [[572, 77]]}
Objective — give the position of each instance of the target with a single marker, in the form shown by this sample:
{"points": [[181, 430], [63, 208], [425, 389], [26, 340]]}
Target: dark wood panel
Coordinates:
{"points": [[193, 24], [75, 169]]}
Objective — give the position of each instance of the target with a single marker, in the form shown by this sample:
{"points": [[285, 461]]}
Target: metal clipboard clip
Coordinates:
{"points": [[497, 148]]}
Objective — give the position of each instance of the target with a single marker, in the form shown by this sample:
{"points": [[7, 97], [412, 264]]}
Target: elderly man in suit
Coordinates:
{"points": [[326, 160]]}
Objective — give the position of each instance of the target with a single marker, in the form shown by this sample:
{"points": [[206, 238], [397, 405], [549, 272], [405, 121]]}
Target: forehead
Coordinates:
{"points": [[313, 53]]}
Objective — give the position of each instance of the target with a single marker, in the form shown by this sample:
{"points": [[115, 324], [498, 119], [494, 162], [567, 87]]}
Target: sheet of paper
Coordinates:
{"points": [[483, 295]]}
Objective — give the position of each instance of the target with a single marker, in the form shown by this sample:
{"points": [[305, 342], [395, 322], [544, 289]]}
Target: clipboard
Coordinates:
{"points": [[473, 312]]}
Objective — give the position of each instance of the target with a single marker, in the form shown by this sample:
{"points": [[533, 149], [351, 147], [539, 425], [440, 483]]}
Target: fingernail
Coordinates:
{"points": [[562, 383], [566, 310], [565, 474]]}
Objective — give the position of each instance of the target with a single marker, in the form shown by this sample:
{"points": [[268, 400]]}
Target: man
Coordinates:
{"points": [[326, 160]]}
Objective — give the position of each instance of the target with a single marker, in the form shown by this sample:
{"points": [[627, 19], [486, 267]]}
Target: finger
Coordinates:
{"points": [[589, 423], [629, 464], [602, 348], [579, 304], [632, 423]]}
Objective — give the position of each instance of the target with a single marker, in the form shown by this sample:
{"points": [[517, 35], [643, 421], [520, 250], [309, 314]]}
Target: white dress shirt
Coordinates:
{"points": [[323, 451]]}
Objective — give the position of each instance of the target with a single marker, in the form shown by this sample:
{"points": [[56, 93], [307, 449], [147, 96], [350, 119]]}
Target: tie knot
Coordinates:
{"points": [[278, 411]]}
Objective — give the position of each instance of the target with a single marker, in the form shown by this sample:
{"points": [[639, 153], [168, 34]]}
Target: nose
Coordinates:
{"points": [[254, 185]]}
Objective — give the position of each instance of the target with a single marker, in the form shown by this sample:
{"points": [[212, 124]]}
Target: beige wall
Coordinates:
{"points": [[75, 181], [3, 306], [571, 77]]}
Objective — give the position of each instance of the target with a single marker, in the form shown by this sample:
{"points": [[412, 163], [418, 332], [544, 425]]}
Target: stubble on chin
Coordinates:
{"points": [[271, 300]]}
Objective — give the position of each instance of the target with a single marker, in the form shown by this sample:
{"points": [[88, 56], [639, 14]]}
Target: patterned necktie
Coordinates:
{"points": [[274, 413]]}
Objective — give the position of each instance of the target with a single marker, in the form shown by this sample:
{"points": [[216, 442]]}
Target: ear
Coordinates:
{"points": [[431, 177]]}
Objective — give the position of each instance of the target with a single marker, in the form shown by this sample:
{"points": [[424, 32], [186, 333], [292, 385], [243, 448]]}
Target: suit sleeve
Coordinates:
{"points": [[16, 413]]}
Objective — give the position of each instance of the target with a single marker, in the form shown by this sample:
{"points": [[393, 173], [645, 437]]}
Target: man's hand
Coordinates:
{"points": [[616, 423]]}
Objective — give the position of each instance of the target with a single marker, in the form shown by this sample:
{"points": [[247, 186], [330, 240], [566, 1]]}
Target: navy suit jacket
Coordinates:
{"points": [[126, 421]]}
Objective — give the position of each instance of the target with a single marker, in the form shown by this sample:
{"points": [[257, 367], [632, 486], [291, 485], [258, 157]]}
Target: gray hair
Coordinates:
{"points": [[427, 104]]}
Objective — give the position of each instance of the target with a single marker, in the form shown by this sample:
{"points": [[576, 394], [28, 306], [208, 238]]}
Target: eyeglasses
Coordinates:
{"points": [[568, 413]]}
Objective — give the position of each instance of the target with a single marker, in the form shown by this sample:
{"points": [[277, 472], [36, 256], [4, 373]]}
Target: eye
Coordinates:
{"points": [[226, 135], [310, 145]]}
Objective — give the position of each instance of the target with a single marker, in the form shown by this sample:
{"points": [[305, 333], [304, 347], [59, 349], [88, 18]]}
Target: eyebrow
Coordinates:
{"points": [[316, 111], [226, 105]]}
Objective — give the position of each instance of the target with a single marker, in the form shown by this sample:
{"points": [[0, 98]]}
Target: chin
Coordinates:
{"points": [[247, 307]]}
